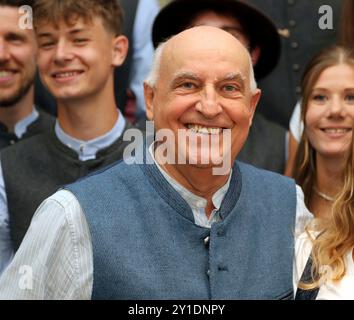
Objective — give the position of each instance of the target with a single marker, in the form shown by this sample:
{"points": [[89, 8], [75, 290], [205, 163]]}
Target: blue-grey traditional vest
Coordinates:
{"points": [[147, 246]]}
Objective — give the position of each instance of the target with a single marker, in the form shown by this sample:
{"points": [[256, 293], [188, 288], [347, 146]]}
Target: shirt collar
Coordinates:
{"points": [[194, 201], [21, 127], [87, 150]]}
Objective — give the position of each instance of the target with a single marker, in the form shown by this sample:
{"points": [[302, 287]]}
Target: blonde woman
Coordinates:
{"points": [[345, 39], [325, 172], [329, 272]]}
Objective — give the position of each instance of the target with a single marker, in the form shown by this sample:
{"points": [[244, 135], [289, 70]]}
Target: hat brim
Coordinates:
{"points": [[177, 15]]}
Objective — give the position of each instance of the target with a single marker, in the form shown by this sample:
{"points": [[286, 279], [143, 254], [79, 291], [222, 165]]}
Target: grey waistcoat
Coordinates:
{"points": [[146, 245]]}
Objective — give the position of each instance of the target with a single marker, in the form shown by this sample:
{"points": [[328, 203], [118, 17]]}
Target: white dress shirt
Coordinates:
{"points": [[6, 252], [341, 290], [296, 125], [57, 252]]}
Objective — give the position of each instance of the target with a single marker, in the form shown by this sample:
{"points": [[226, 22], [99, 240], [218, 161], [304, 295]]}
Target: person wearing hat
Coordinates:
{"points": [[302, 36], [266, 143], [179, 229]]}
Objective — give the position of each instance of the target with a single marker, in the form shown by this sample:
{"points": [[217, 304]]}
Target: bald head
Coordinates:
{"points": [[205, 42], [204, 37]]}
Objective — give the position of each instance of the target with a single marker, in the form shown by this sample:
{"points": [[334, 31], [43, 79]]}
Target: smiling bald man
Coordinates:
{"points": [[173, 230]]}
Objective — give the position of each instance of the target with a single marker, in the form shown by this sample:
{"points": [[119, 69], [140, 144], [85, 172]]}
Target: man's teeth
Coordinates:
{"points": [[66, 74], [334, 130], [5, 73], [204, 130]]}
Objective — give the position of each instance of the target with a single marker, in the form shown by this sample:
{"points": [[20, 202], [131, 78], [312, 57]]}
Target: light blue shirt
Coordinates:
{"points": [[86, 150], [21, 127], [143, 50]]}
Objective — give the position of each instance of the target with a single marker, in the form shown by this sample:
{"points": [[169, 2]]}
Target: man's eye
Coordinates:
{"points": [[15, 39], [188, 85], [350, 98], [229, 88], [80, 40], [46, 45]]}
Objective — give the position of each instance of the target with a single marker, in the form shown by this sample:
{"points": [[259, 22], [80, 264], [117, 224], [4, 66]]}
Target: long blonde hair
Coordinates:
{"points": [[336, 235]]}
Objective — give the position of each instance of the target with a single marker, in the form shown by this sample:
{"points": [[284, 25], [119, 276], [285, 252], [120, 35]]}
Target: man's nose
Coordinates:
{"points": [[4, 51], [208, 104], [63, 52]]}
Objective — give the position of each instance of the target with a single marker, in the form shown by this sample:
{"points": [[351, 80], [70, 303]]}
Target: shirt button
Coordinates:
{"points": [[296, 67], [208, 273], [82, 148], [294, 45], [292, 23], [200, 204], [12, 141]]}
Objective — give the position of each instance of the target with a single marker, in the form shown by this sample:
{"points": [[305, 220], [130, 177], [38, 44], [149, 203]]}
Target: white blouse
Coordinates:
{"points": [[341, 290]]}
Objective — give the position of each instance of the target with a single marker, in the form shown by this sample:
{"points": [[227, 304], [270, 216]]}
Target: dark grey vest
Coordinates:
{"points": [[35, 168], [146, 245], [265, 146], [42, 124]]}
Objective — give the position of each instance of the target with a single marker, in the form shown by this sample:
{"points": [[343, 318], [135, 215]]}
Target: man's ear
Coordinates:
{"points": [[120, 50], [254, 102], [149, 98]]}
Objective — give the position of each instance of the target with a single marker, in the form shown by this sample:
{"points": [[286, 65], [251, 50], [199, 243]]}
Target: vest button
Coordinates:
{"points": [[222, 268], [12, 141], [207, 241], [294, 45], [208, 273], [292, 23], [296, 67]]}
